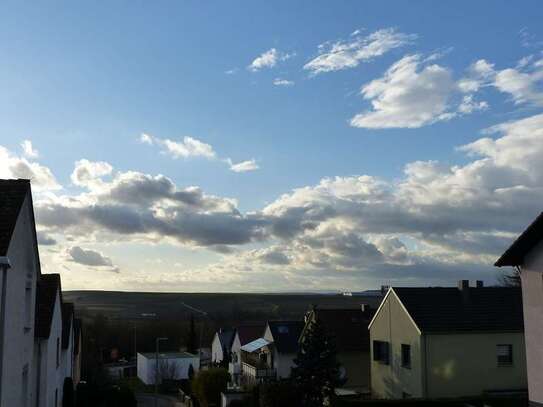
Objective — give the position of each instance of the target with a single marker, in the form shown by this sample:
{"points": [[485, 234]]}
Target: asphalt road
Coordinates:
{"points": [[148, 400]]}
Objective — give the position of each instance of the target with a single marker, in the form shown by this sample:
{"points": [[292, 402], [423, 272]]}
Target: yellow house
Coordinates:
{"points": [[448, 342]]}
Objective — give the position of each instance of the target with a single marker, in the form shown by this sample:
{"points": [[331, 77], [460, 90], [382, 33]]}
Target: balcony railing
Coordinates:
{"points": [[258, 373]]}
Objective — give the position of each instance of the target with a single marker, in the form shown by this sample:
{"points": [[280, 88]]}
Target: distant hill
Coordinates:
{"points": [[170, 306]]}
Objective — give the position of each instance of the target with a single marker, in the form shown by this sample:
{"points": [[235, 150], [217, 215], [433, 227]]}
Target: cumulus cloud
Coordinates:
{"points": [[91, 258], [147, 208], [86, 173], [243, 166], [29, 150], [269, 59], [12, 166], [188, 147], [45, 240], [408, 95], [282, 82], [523, 82], [349, 53]]}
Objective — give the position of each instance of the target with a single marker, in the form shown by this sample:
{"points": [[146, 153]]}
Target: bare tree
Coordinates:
{"points": [[510, 278]]}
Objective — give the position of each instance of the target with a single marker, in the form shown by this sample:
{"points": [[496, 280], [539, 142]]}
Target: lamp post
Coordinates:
{"points": [[157, 341]]}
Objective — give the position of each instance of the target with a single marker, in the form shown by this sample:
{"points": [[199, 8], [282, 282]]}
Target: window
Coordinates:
{"points": [[381, 352], [58, 352], [406, 356], [505, 355]]}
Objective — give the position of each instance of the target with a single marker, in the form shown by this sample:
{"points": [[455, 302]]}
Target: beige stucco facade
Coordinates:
{"points": [[532, 299], [392, 324], [442, 365]]}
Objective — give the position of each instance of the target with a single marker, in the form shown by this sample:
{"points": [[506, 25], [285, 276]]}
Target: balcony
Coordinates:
{"points": [[258, 373]]}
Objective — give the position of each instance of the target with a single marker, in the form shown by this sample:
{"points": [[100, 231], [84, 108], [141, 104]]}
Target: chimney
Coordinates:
{"points": [[479, 284]]}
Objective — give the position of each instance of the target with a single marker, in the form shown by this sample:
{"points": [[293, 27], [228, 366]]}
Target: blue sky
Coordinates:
{"points": [[86, 80]]}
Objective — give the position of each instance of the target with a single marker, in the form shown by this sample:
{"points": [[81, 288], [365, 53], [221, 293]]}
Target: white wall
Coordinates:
{"points": [[19, 324], [532, 299], [282, 362], [147, 366], [216, 350], [51, 377]]}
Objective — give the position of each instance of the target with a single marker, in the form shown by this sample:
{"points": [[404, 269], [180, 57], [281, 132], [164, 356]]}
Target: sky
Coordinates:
{"points": [[273, 146]]}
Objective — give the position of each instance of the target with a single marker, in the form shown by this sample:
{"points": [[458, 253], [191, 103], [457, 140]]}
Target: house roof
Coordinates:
{"points": [[443, 310], [67, 317], [349, 327], [12, 195], [286, 334], [514, 256], [255, 345], [47, 288], [168, 355], [248, 333], [226, 337]]}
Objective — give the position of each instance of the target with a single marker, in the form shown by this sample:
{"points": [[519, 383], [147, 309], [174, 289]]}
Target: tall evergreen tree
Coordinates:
{"points": [[316, 371], [191, 342]]}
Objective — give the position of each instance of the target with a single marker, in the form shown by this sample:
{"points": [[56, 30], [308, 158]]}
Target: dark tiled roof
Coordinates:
{"points": [[514, 256], [486, 309], [47, 288], [349, 327], [286, 334], [226, 337], [12, 195], [67, 316], [248, 333]]}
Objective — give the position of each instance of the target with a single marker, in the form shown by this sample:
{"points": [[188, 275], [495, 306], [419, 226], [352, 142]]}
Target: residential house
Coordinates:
{"points": [[32, 367], [68, 331], [220, 347], [271, 357], [50, 371], [20, 270], [171, 366], [526, 255], [448, 342], [242, 336], [349, 330]]}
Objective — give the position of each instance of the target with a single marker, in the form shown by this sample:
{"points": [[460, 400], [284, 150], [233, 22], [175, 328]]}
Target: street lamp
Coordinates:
{"points": [[157, 341]]}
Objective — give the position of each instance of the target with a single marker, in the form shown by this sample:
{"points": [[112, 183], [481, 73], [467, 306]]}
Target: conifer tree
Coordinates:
{"points": [[316, 371], [191, 342]]}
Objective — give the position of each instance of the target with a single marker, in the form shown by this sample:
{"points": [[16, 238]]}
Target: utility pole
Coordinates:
{"points": [[156, 369]]}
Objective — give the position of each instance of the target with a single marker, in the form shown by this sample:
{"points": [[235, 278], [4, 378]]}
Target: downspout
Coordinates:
{"points": [[38, 375], [4, 265]]}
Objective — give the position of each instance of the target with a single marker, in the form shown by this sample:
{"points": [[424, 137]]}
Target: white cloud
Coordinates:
{"points": [[243, 166], [348, 54], [88, 173], [188, 147], [12, 166], [282, 82], [28, 150], [231, 71], [469, 105], [408, 95], [90, 258], [269, 59]]}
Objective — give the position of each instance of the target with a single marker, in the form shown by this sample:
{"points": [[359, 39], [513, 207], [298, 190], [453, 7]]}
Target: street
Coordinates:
{"points": [[148, 400]]}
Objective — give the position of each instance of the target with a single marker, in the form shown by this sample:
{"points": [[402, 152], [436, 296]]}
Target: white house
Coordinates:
{"points": [[271, 357], [50, 372], [33, 365], [526, 256], [220, 347], [171, 365], [243, 335], [20, 269]]}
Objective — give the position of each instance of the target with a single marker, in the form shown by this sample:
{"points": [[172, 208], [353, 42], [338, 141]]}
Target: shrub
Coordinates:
{"points": [[208, 384]]}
